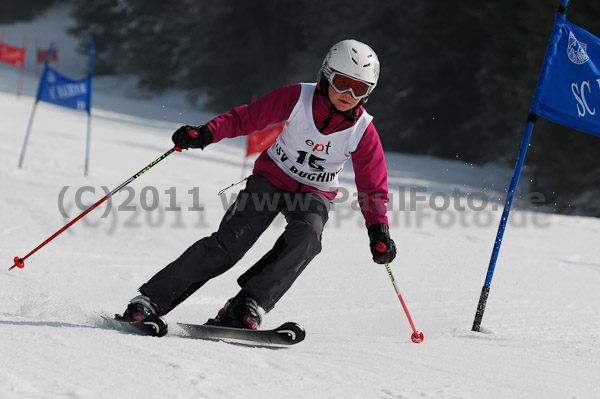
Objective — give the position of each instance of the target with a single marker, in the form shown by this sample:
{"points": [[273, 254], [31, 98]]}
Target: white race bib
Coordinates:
{"points": [[309, 156]]}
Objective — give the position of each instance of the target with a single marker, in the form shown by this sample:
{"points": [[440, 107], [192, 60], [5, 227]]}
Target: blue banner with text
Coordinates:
{"points": [[568, 90], [58, 89]]}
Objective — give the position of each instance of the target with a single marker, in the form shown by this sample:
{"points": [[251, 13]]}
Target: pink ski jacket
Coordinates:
{"points": [[368, 160]]}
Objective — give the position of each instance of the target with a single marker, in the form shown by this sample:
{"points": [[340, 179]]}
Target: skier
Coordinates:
{"points": [[325, 124]]}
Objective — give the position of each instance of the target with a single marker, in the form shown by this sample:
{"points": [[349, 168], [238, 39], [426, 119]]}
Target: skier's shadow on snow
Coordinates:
{"points": [[44, 324], [97, 324]]}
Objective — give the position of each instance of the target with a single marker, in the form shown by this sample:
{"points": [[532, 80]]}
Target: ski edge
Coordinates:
{"points": [[288, 333]]}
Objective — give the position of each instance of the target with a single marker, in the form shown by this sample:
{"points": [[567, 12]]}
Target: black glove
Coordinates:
{"points": [[192, 137], [382, 246]]}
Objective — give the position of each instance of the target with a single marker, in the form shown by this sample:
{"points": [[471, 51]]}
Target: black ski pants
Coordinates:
{"points": [[246, 219]]}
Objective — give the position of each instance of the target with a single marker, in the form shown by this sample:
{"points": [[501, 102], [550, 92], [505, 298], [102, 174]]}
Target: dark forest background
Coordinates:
{"points": [[456, 77]]}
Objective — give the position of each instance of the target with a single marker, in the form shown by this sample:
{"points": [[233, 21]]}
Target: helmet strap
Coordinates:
{"points": [[351, 115], [323, 86]]}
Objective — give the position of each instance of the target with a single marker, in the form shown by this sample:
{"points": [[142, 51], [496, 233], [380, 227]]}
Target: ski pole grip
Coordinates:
{"points": [[193, 133], [380, 247]]}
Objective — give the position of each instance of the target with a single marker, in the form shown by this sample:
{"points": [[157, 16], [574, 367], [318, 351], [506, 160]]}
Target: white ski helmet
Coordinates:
{"points": [[351, 58]]}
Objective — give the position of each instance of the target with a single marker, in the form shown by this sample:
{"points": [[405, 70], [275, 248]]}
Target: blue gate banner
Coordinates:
{"points": [[568, 90], [58, 89]]}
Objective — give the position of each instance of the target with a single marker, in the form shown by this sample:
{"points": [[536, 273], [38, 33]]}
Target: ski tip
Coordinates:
{"points": [[294, 331], [155, 325], [291, 324]]}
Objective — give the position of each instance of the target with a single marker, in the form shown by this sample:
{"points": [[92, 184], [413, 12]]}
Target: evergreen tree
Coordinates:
{"points": [[25, 10]]}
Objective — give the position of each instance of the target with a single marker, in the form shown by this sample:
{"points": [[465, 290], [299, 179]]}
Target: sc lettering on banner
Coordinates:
{"points": [[579, 92]]}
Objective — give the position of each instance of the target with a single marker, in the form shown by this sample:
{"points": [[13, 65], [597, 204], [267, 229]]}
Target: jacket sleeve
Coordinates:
{"points": [[370, 173], [270, 109]]}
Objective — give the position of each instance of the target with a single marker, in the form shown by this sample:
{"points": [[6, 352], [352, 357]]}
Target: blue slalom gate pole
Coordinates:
{"points": [[550, 53], [507, 205]]}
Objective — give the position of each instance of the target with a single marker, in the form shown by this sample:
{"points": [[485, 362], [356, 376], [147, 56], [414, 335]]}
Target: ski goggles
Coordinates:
{"points": [[342, 83]]}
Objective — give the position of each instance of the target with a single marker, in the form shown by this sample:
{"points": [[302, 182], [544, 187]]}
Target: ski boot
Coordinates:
{"points": [[138, 309], [242, 311]]}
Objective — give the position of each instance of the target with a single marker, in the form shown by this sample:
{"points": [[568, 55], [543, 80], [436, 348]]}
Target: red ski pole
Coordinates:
{"points": [[20, 262], [417, 337]]}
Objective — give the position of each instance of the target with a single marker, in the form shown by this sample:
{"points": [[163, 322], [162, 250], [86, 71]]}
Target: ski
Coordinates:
{"points": [[287, 334], [153, 325]]}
